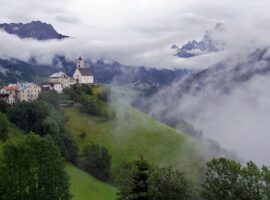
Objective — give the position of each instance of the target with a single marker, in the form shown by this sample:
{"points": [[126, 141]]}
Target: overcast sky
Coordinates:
{"points": [[134, 32]]}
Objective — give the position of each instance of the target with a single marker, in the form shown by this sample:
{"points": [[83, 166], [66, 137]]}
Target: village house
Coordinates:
{"points": [[57, 82], [28, 91], [9, 93], [83, 75], [19, 92], [60, 78], [47, 86]]}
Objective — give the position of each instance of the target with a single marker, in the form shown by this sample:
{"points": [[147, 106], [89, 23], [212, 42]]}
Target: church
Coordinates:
{"points": [[83, 75]]}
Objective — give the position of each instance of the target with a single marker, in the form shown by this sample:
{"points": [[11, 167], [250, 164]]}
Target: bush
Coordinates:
{"points": [[75, 92], [83, 135], [30, 116], [90, 105], [97, 161], [104, 95], [4, 107], [50, 127], [51, 97], [68, 147], [4, 126]]}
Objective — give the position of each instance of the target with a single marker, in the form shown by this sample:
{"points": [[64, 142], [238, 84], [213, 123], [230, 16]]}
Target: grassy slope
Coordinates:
{"points": [[85, 187], [133, 134]]}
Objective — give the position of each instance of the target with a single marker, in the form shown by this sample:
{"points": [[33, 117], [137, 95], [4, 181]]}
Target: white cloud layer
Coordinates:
{"points": [[138, 32]]}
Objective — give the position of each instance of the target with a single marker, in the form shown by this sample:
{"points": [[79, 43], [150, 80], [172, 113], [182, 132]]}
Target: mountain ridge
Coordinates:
{"points": [[36, 30], [207, 45]]}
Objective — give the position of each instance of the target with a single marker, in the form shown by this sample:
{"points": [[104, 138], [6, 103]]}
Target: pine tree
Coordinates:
{"points": [[137, 185]]}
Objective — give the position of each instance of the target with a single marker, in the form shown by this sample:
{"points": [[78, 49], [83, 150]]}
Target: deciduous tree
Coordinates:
{"points": [[32, 168]]}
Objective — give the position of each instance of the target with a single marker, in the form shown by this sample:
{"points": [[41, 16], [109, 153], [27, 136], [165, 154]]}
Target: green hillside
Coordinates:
{"points": [[132, 134], [85, 187], [125, 131]]}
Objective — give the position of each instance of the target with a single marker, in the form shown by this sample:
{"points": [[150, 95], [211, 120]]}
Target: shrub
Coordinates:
{"points": [[51, 97], [90, 105], [97, 161], [4, 126], [4, 107]]}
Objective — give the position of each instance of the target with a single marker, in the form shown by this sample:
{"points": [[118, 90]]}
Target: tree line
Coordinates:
{"points": [[224, 179]]}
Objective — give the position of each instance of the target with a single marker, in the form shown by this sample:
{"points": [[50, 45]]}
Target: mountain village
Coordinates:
{"points": [[24, 91]]}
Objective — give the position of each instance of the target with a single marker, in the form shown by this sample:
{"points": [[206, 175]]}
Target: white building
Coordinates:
{"points": [[58, 81], [58, 87], [61, 78], [83, 75]]}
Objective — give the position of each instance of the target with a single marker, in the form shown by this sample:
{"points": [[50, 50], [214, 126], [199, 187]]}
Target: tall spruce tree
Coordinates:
{"points": [[136, 187]]}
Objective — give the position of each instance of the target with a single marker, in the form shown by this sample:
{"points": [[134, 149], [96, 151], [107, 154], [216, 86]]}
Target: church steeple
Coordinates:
{"points": [[80, 63]]}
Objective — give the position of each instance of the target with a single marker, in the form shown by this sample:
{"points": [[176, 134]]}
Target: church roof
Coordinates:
{"points": [[85, 71]]}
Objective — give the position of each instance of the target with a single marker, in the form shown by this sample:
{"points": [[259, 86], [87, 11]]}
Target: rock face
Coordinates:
{"points": [[206, 45], [35, 30]]}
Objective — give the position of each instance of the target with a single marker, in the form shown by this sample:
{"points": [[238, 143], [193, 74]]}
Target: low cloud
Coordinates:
{"points": [[229, 107]]}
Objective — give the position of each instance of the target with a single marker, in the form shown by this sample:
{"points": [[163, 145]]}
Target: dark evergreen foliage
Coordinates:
{"points": [[140, 187], [4, 126], [4, 107]]}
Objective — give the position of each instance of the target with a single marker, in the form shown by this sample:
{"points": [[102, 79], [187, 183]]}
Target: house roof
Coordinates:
{"points": [[85, 71], [58, 74], [11, 87]]}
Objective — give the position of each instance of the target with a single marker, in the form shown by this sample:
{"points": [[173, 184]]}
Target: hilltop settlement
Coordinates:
{"points": [[58, 81]]}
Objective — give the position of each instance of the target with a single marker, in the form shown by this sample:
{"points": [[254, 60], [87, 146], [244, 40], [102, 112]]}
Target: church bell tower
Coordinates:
{"points": [[80, 62]]}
